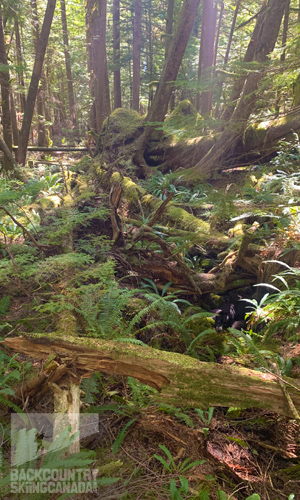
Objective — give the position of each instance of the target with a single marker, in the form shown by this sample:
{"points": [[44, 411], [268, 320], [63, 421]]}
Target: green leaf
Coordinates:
{"points": [[121, 435], [163, 462]]}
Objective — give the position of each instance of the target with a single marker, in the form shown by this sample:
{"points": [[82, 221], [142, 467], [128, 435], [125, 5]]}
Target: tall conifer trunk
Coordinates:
{"points": [[162, 96], [34, 83], [137, 39], [227, 142], [71, 98], [42, 139], [20, 64], [5, 95], [209, 19], [116, 54]]}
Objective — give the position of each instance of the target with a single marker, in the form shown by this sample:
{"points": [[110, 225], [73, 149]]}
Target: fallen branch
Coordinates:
{"points": [[40, 247]]}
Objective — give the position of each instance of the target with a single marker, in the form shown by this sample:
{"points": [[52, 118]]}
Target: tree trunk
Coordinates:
{"points": [[68, 62], [236, 11], [42, 139], [116, 54], [150, 46], [5, 95], [35, 78], [100, 82], [14, 125], [200, 62], [259, 141], [107, 103], [169, 27], [20, 64], [218, 35], [250, 52], [137, 40], [209, 19], [180, 379], [236, 126], [162, 96]]}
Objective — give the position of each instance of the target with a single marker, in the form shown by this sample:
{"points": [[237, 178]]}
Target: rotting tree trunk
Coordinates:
{"points": [[136, 65], [258, 141], [67, 410], [116, 54], [163, 93], [35, 78], [68, 62], [5, 96], [181, 380], [228, 140]]}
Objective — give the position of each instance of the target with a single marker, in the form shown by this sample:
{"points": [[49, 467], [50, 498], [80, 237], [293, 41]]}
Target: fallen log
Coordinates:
{"points": [[180, 380]]}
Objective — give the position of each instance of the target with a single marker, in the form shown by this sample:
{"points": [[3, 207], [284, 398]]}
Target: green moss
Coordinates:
{"points": [[181, 218], [66, 324], [183, 121], [255, 134], [131, 191], [122, 124], [198, 325], [296, 91]]}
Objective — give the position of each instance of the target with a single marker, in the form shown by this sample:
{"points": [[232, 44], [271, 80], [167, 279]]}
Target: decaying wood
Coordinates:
{"points": [[179, 378], [115, 198], [67, 410], [170, 266]]}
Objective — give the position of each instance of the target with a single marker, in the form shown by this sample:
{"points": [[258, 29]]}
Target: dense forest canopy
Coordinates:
{"points": [[149, 248]]}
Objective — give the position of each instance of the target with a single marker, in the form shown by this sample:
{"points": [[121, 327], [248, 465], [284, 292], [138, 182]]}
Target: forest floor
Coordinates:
{"points": [[144, 449]]}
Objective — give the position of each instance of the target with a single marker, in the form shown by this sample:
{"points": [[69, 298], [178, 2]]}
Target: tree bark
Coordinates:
{"points": [[180, 379], [258, 141], [236, 11], [5, 95], [100, 83], [97, 67], [238, 123], [20, 64], [136, 67], [218, 35], [162, 96], [116, 54], [42, 139], [33, 88], [209, 19], [169, 27], [250, 52], [68, 62]]}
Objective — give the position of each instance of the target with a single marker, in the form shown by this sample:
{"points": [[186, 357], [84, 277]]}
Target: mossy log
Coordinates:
{"points": [[179, 379], [259, 140]]}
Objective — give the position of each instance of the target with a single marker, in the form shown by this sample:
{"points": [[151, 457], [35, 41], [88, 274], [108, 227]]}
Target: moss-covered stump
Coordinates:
{"points": [[121, 127], [180, 380]]}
